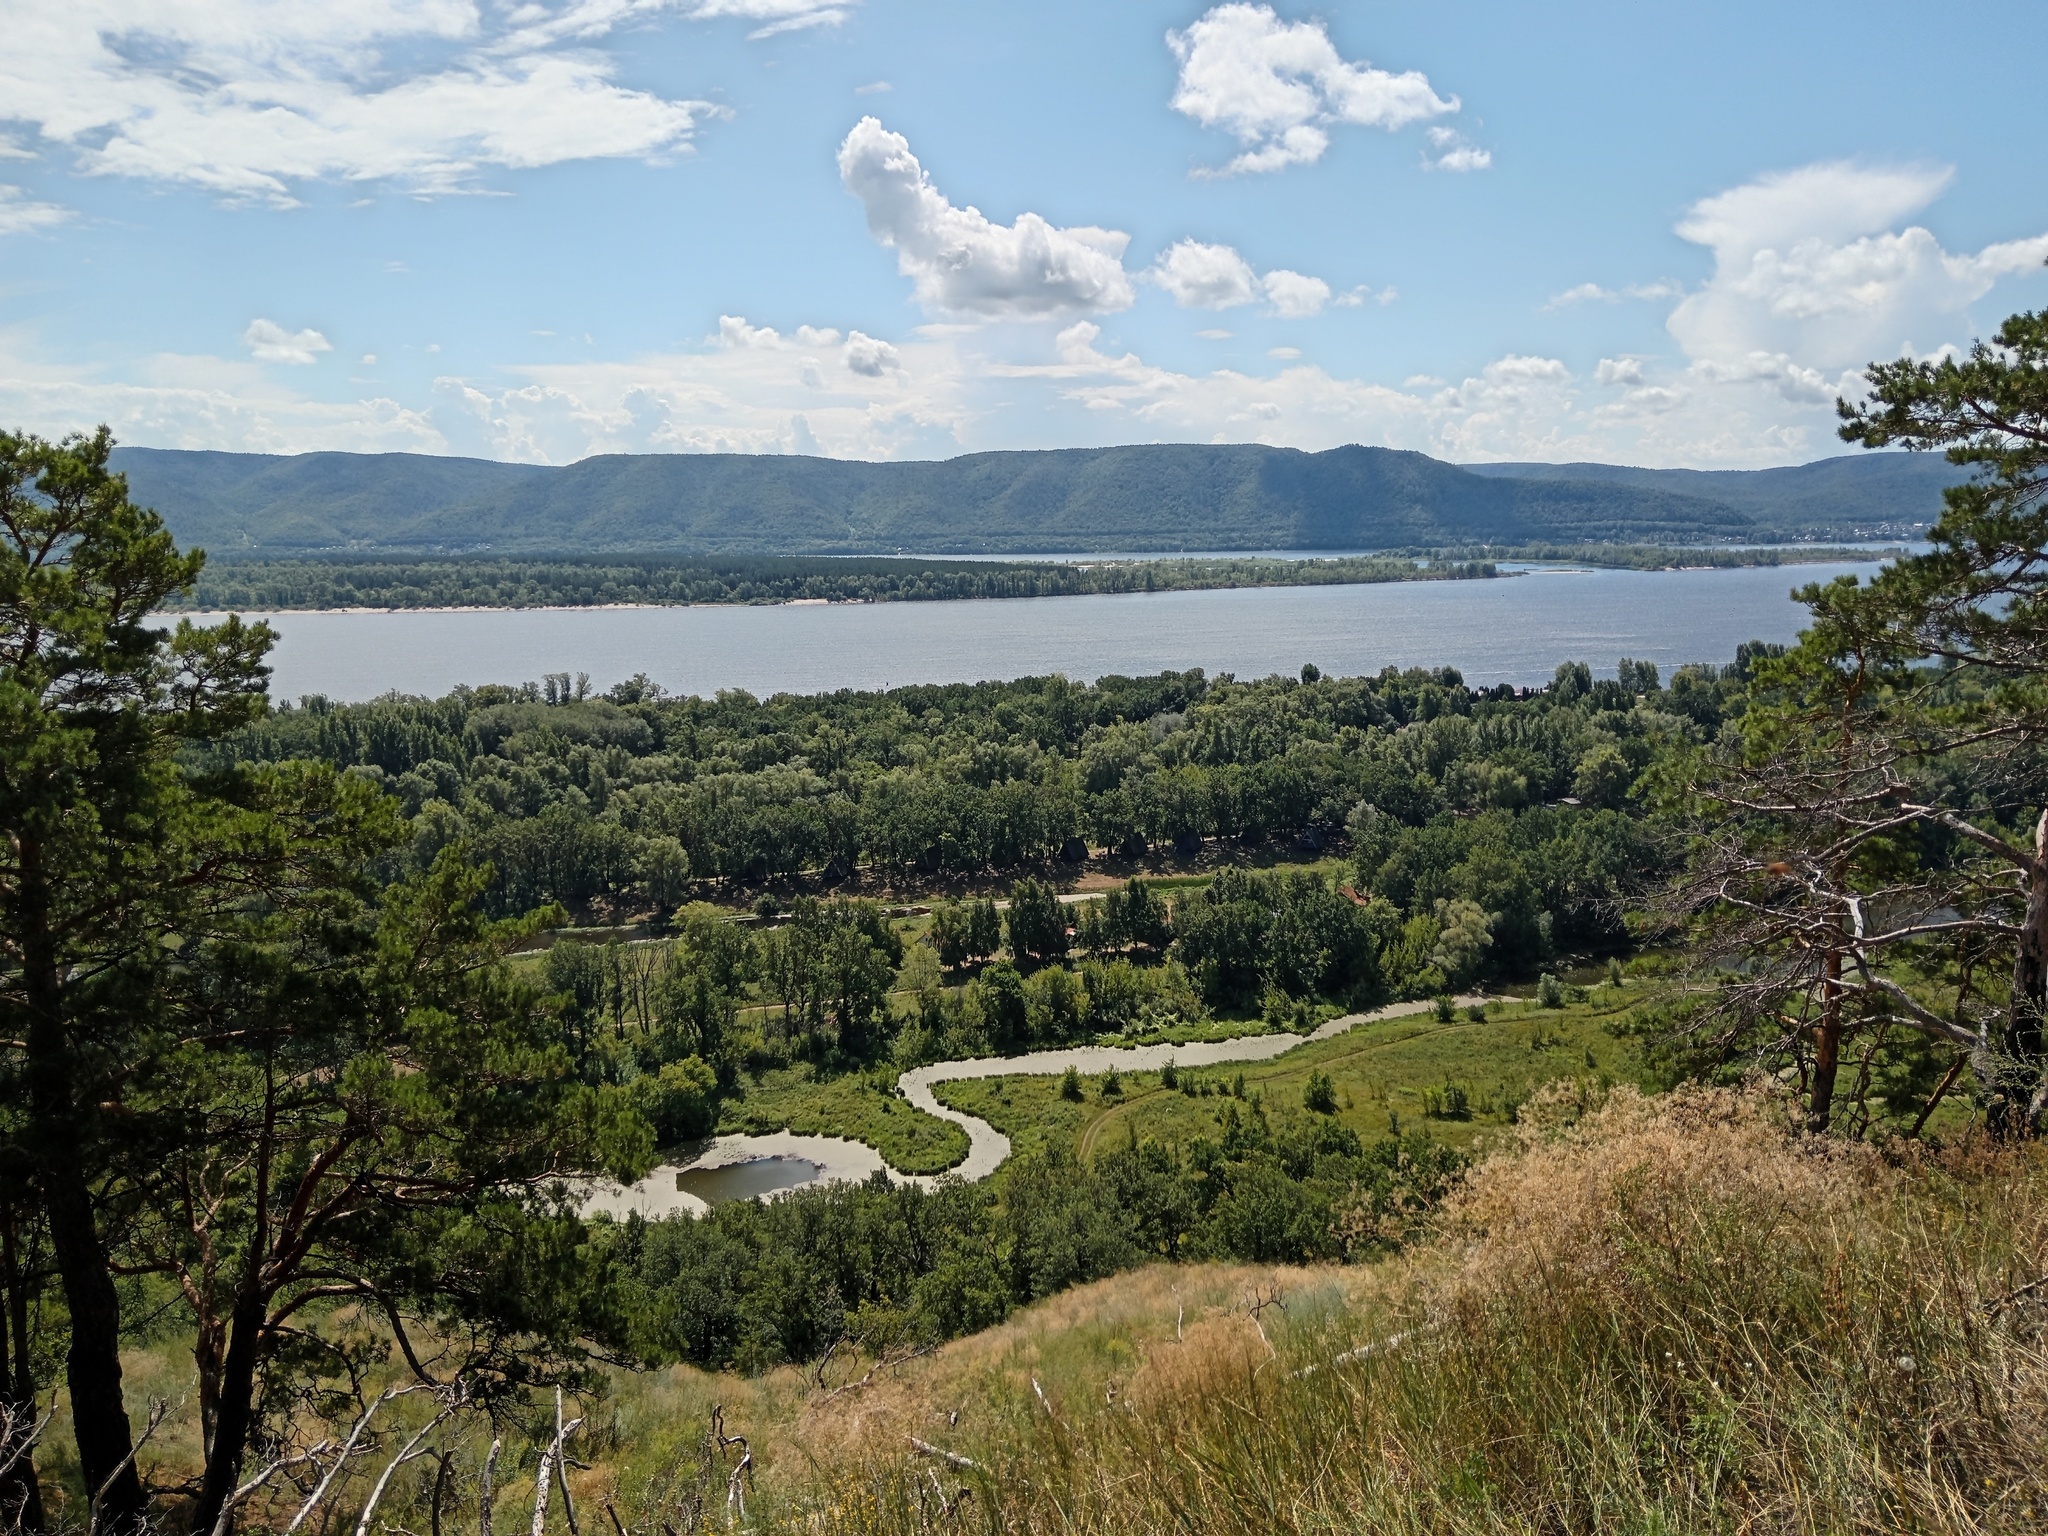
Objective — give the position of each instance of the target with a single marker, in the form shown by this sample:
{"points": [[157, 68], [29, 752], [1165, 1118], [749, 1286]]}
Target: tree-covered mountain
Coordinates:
{"points": [[1889, 495], [1150, 498]]}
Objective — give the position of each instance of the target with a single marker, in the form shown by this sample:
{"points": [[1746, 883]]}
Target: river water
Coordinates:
{"points": [[1514, 629]]}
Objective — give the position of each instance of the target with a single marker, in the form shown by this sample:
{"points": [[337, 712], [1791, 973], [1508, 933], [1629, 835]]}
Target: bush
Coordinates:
{"points": [[1450, 1102], [1112, 1085], [1070, 1085], [680, 1101], [1446, 1010], [1476, 1013], [1320, 1095], [1550, 991]]}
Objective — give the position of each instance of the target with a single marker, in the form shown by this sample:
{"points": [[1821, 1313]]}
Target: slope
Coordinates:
{"points": [[1146, 498]]}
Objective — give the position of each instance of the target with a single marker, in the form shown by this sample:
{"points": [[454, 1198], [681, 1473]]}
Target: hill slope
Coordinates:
{"points": [[1146, 498], [1885, 494]]}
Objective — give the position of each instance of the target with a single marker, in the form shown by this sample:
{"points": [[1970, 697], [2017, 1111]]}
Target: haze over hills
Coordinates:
{"points": [[1146, 498]]}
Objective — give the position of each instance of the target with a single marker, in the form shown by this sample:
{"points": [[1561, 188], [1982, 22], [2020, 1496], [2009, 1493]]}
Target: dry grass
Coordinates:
{"points": [[1650, 1315]]}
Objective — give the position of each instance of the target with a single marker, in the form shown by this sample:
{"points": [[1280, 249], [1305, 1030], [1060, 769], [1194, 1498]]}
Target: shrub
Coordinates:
{"points": [[1549, 991], [1446, 1010], [1476, 1013], [1450, 1102], [1169, 1075], [1320, 1095], [1070, 1085], [1112, 1085]]}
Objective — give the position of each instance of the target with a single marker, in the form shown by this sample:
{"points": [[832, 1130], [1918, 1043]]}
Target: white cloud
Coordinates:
{"points": [[250, 99], [1295, 296], [960, 261], [815, 336], [1811, 279], [1593, 293], [269, 342], [1450, 150], [1619, 370], [20, 213], [870, 358], [1213, 334], [1285, 354], [874, 88], [1279, 87], [1201, 276]]}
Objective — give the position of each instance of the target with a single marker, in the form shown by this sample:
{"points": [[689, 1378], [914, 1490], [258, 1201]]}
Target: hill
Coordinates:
{"points": [[1885, 495], [1162, 497], [1169, 497]]}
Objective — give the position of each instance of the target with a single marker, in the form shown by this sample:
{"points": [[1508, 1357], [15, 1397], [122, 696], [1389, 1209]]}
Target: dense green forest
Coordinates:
{"points": [[1157, 498], [308, 1080], [589, 581], [580, 582]]}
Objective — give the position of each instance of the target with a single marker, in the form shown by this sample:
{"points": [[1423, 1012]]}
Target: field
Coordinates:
{"points": [[861, 1105], [1390, 1076]]}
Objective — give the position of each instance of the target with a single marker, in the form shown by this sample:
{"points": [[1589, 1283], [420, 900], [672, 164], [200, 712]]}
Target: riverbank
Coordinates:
{"points": [[474, 584]]}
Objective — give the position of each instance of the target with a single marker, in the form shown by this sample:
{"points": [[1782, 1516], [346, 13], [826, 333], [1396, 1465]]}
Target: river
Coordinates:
{"points": [[755, 1167], [1513, 629]]}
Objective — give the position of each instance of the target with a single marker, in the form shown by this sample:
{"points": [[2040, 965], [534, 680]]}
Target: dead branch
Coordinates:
{"points": [[925, 1448]]}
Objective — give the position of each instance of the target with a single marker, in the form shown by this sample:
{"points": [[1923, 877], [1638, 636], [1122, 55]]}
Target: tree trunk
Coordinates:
{"points": [[21, 1497], [1827, 1047], [92, 1369], [2020, 1090], [234, 1411]]}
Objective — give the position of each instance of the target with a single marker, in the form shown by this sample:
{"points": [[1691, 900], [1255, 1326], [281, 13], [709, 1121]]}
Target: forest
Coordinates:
{"points": [[589, 581], [1655, 1051]]}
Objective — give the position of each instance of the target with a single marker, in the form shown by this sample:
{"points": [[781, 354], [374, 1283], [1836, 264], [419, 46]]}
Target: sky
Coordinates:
{"points": [[1647, 233]]}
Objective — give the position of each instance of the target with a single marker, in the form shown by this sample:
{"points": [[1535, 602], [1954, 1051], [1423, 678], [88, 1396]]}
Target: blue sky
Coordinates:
{"points": [[1655, 234]]}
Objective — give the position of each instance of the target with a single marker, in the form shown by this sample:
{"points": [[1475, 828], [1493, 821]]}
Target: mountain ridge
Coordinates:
{"points": [[1154, 498]]}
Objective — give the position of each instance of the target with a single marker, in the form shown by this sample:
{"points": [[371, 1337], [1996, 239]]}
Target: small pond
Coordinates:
{"points": [[746, 1181]]}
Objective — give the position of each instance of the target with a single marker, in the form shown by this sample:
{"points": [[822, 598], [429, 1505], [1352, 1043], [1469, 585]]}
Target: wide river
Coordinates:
{"points": [[1509, 630]]}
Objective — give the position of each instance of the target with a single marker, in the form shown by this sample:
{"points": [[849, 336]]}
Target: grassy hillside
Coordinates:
{"points": [[1642, 1315], [1150, 498]]}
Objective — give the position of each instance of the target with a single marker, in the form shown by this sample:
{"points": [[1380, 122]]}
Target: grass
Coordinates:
{"points": [[1640, 1315], [1653, 1316], [1386, 1074], [859, 1105]]}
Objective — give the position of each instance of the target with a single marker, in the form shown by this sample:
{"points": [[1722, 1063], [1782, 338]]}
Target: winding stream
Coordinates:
{"points": [[662, 1192]]}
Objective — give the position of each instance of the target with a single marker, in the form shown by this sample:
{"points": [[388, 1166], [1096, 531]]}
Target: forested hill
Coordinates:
{"points": [[1148, 498]]}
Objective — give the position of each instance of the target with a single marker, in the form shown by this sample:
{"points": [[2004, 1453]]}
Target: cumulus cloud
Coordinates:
{"points": [[963, 263], [1279, 87], [1450, 150], [733, 331], [1294, 295], [269, 342], [868, 357], [250, 99], [20, 213], [1200, 276], [1811, 278]]}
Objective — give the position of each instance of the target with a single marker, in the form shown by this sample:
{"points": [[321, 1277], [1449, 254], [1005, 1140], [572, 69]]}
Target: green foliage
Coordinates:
{"points": [[756, 1284], [587, 581], [1166, 496], [1070, 1085], [1037, 923], [1550, 991], [1319, 1093]]}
